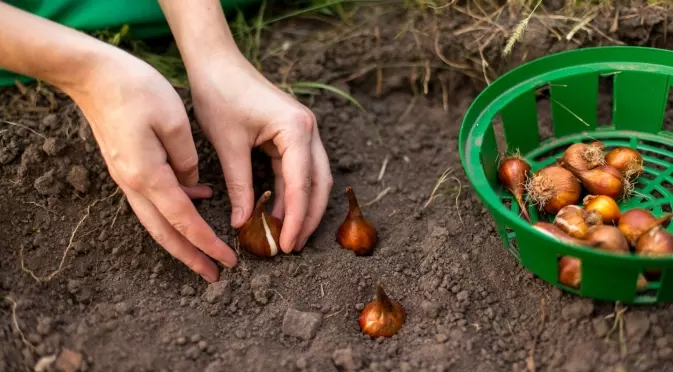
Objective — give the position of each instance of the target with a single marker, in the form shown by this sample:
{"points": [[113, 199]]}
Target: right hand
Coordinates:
{"points": [[142, 128]]}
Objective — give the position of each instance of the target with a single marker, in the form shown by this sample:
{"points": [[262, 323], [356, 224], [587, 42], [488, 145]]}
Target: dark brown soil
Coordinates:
{"points": [[123, 304]]}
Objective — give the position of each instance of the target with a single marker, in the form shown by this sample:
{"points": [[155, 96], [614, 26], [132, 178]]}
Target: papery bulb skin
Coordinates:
{"points": [[657, 242], [585, 156], [382, 317], [609, 238], [512, 173], [575, 221], [558, 234], [601, 180], [570, 271], [552, 188], [356, 233], [260, 234], [637, 221], [626, 160], [604, 205]]}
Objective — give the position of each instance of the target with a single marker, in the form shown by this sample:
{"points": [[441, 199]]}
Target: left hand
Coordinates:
{"points": [[239, 109]]}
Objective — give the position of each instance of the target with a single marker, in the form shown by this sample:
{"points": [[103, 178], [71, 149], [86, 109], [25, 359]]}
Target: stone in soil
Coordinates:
{"points": [[578, 309], [54, 146], [348, 359], [637, 325], [48, 184], [300, 324], [260, 288], [68, 361], [187, 290], [218, 292], [78, 178]]}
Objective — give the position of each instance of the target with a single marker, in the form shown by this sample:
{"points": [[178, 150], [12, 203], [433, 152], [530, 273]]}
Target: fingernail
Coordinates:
{"points": [[209, 278], [292, 245], [237, 216], [301, 245]]}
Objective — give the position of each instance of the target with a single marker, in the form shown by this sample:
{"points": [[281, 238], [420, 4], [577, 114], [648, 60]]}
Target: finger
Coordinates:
{"points": [[296, 166], [166, 236], [237, 169], [173, 203], [320, 190], [176, 138], [198, 191], [279, 188]]}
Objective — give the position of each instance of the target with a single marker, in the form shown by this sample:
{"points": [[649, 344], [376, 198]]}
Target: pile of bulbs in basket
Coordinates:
{"points": [[260, 235], [594, 220]]}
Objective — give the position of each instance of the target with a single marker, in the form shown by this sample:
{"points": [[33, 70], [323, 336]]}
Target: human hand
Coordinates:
{"points": [[143, 131], [239, 109]]}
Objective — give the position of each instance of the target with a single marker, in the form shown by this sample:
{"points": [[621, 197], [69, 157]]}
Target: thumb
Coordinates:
{"points": [[237, 168]]}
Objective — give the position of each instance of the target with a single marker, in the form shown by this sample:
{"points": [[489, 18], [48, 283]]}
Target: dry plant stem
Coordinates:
{"points": [[67, 249], [24, 127], [618, 324], [382, 172], [15, 323], [378, 197], [440, 181]]}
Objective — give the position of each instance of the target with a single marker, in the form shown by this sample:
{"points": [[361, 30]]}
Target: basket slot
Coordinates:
{"points": [[519, 120], [489, 156], [666, 286], [640, 100], [622, 281], [574, 104]]}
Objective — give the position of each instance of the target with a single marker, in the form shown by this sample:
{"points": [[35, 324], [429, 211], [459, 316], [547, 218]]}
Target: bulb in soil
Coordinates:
{"points": [[575, 221], [382, 317], [585, 156], [356, 233], [553, 188], [605, 206], [260, 234], [512, 173]]}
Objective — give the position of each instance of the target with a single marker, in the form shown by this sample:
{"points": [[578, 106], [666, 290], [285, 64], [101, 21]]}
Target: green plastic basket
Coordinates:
{"points": [[642, 78]]}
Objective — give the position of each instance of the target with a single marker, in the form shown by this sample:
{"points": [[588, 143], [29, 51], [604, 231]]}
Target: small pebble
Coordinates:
{"points": [[180, 341], [187, 291], [195, 338], [203, 345]]}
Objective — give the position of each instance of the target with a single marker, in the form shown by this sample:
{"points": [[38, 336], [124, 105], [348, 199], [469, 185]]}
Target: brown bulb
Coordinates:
{"points": [[604, 206], [570, 271], [558, 234], [575, 221], [637, 221], [585, 156], [609, 238], [626, 160], [657, 242], [260, 234], [356, 233], [382, 317], [512, 173], [553, 187], [602, 180]]}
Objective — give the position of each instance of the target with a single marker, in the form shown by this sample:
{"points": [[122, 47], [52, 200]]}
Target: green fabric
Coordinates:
{"points": [[145, 18]]}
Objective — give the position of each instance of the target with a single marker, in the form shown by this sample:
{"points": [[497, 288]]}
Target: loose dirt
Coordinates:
{"points": [[121, 303]]}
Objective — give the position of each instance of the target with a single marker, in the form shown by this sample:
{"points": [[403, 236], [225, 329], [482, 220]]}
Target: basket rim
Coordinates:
{"points": [[524, 76]]}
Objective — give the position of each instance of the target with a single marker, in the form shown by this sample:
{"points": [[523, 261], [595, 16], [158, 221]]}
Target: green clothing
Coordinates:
{"points": [[144, 17]]}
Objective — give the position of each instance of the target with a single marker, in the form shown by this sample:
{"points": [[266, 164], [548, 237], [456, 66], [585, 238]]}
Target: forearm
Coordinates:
{"points": [[200, 30], [45, 50]]}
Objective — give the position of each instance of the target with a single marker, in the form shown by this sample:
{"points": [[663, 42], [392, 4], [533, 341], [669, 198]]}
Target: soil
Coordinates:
{"points": [[121, 303]]}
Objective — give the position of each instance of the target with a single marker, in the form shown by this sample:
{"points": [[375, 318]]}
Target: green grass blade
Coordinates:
{"points": [[330, 88]]}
